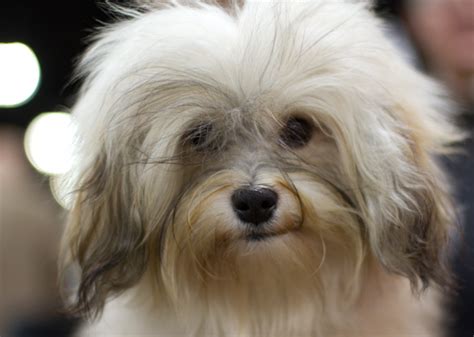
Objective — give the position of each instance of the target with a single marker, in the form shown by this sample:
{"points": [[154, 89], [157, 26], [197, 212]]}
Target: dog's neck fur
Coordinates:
{"points": [[386, 307]]}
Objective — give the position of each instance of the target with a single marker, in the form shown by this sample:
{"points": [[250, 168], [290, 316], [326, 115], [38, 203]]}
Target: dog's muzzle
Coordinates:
{"points": [[254, 206]]}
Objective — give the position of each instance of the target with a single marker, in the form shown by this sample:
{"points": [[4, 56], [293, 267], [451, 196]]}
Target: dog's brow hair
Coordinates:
{"points": [[158, 88]]}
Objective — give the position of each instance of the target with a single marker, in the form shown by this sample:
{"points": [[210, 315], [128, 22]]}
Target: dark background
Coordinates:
{"points": [[57, 32]]}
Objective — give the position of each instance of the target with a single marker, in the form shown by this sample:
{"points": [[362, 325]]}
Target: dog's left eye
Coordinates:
{"points": [[198, 136], [296, 133]]}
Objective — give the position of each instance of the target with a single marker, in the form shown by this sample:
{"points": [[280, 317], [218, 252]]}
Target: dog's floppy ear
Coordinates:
{"points": [[416, 216], [415, 234], [104, 234]]}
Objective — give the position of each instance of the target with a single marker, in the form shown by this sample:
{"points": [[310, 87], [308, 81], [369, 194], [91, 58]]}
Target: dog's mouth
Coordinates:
{"points": [[255, 237], [262, 235]]}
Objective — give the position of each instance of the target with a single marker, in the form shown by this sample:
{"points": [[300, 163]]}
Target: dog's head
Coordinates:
{"points": [[275, 145]]}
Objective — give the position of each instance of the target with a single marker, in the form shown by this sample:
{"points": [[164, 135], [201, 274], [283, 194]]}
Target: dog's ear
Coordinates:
{"points": [[104, 234], [415, 216], [414, 234]]}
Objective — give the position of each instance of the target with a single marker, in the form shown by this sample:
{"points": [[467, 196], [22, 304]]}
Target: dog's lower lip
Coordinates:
{"points": [[257, 237], [262, 236]]}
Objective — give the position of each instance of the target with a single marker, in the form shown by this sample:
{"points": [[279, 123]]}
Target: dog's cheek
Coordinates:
{"points": [[104, 235]]}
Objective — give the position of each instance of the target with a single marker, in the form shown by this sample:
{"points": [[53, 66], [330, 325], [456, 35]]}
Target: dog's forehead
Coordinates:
{"points": [[285, 49]]}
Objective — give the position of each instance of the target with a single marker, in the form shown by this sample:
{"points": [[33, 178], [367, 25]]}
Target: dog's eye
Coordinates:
{"points": [[296, 133], [198, 136]]}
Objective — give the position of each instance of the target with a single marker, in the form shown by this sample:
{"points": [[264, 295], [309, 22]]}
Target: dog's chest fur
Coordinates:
{"points": [[386, 307]]}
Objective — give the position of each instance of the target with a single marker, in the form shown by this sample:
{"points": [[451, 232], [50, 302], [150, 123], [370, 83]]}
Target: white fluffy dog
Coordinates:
{"points": [[257, 169]]}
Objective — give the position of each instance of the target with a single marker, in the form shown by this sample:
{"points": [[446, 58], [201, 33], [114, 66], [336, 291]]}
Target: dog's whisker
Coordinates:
{"points": [[323, 256]]}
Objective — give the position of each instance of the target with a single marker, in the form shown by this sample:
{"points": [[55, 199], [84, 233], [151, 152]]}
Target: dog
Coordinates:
{"points": [[258, 169]]}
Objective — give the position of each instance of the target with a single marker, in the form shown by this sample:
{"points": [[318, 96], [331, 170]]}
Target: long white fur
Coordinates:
{"points": [[329, 59]]}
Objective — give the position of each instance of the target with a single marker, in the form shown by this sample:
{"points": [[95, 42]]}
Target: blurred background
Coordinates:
{"points": [[39, 44]]}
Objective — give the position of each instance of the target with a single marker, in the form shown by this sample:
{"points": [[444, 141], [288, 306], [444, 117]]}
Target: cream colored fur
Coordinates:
{"points": [[358, 241]]}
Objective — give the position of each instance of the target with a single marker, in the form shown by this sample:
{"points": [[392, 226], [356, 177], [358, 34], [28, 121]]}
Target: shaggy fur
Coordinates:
{"points": [[185, 102]]}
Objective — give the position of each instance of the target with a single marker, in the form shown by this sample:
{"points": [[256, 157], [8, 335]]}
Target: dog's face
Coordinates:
{"points": [[254, 154]]}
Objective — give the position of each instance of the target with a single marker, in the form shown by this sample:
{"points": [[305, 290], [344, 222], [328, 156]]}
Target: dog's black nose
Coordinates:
{"points": [[254, 205]]}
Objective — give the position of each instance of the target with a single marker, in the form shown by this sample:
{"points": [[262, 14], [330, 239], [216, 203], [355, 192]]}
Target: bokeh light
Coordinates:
{"points": [[49, 142], [60, 191], [19, 74]]}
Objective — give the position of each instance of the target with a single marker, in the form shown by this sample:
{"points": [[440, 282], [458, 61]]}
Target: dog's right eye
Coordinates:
{"points": [[296, 133], [198, 136]]}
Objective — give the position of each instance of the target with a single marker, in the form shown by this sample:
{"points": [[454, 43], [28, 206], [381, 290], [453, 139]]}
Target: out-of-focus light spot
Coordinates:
{"points": [[49, 142], [60, 191], [19, 74]]}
